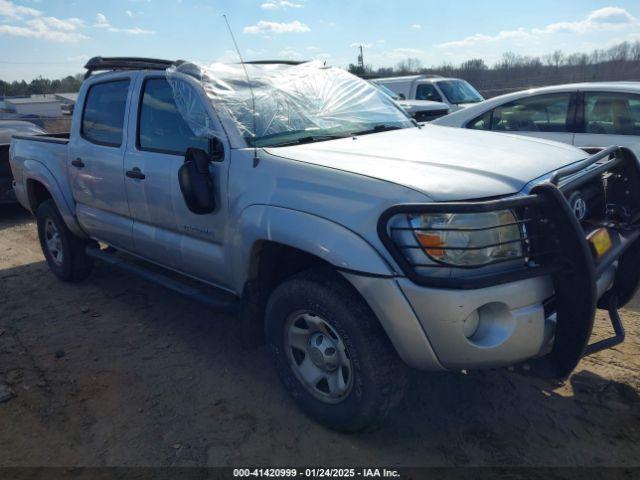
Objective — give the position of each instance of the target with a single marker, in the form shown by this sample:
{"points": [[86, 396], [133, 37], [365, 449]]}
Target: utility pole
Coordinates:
{"points": [[361, 59]]}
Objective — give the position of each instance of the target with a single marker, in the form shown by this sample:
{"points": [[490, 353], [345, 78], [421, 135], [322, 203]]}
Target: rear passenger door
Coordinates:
{"points": [[549, 116], [609, 118], [96, 153], [165, 231]]}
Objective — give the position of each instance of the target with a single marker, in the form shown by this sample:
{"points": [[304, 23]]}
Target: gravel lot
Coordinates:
{"points": [[118, 372]]}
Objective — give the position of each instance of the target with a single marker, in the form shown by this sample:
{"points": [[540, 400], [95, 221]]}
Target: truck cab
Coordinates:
{"points": [[350, 239], [454, 92]]}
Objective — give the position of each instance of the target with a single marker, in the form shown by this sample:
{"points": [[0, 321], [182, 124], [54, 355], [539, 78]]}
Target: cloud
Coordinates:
{"points": [[103, 22], [68, 25], [229, 56], [607, 18], [416, 26], [45, 28], [519, 34], [280, 4], [11, 10], [274, 27], [31, 23]]}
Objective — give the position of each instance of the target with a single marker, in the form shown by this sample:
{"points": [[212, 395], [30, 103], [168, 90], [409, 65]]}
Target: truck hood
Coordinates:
{"points": [[446, 164]]}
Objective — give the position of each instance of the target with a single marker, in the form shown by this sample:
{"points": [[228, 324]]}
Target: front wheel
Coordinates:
{"points": [[331, 353], [64, 252]]}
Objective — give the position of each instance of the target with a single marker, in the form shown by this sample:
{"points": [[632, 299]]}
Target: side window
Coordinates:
{"points": [[104, 110], [542, 113], [612, 113], [427, 91], [161, 127], [483, 122]]}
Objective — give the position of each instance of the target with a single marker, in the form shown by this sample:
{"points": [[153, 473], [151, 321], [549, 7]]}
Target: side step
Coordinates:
{"points": [[231, 305]]}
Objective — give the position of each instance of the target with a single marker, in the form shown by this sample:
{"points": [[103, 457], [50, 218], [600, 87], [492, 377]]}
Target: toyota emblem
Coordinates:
{"points": [[578, 205]]}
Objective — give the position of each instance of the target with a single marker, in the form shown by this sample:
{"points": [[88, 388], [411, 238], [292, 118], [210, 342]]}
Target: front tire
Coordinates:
{"points": [[65, 253], [331, 353]]}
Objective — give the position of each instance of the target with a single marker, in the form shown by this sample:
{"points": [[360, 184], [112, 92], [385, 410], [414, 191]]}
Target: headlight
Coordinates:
{"points": [[468, 240]]}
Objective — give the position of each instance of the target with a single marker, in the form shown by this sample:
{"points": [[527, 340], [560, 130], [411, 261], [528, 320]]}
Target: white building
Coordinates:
{"points": [[41, 106]]}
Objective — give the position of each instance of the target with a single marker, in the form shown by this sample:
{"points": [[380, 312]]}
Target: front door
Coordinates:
{"points": [[548, 116], [165, 231], [96, 153]]}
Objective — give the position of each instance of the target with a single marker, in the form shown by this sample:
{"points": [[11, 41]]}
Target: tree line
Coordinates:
{"points": [[517, 72], [40, 86], [512, 72]]}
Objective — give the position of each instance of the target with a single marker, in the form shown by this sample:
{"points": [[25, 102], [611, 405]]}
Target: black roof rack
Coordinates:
{"points": [[97, 64]]}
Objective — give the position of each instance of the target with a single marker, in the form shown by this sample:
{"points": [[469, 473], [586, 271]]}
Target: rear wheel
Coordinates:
{"points": [[64, 252], [331, 353]]}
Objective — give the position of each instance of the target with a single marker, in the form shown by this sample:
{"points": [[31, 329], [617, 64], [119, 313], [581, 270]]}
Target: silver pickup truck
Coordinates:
{"points": [[352, 240]]}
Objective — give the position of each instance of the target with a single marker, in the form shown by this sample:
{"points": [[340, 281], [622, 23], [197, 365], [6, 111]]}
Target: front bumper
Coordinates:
{"points": [[548, 306]]}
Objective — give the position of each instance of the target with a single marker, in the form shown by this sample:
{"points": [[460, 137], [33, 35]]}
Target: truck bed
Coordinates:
{"points": [[47, 149]]}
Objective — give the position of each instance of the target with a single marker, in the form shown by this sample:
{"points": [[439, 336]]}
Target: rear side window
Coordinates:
{"points": [[104, 110], [427, 91], [161, 126], [612, 113]]}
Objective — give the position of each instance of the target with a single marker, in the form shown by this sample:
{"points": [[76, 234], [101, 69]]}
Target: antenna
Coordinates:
{"points": [[256, 160]]}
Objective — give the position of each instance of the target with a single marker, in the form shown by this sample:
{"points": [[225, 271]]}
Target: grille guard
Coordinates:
{"points": [[570, 261]]}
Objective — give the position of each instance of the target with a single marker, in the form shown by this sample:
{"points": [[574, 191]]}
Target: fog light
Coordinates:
{"points": [[471, 323]]}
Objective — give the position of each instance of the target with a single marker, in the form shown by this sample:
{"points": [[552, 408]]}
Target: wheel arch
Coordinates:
{"points": [[41, 185], [276, 243]]}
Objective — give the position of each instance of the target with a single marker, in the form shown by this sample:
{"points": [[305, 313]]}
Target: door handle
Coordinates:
{"points": [[78, 163], [135, 173]]}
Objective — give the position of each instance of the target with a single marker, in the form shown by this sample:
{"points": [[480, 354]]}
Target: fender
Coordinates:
{"points": [[318, 236], [34, 170]]}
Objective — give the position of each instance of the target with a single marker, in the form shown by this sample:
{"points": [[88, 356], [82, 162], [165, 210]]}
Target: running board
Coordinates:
{"points": [[229, 306]]}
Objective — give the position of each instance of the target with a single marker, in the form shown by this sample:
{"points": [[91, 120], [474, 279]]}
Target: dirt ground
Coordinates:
{"points": [[119, 372]]}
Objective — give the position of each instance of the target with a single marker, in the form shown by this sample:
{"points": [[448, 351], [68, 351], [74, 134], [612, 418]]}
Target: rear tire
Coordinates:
{"points": [[318, 327], [65, 253]]}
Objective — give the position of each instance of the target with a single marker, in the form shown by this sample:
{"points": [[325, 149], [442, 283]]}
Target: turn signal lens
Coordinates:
{"points": [[432, 243]]}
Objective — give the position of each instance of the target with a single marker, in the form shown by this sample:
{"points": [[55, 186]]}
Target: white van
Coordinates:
{"points": [[455, 92]]}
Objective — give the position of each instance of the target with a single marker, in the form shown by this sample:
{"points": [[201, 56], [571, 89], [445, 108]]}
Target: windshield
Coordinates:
{"points": [[293, 103], [459, 91]]}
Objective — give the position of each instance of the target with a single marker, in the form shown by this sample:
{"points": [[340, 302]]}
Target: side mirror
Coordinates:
{"points": [[217, 149], [401, 96], [196, 183]]}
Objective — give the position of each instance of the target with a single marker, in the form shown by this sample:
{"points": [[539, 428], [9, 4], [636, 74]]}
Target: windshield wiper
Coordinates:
{"points": [[309, 139], [377, 128]]}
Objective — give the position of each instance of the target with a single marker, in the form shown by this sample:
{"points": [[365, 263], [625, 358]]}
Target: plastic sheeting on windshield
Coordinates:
{"points": [[288, 98]]}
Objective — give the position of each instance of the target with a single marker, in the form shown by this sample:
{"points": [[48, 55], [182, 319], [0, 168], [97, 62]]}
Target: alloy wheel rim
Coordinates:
{"points": [[318, 356], [54, 242]]}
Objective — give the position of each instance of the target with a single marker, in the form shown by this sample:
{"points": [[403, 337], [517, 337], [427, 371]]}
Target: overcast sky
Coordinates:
{"points": [[53, 38]]}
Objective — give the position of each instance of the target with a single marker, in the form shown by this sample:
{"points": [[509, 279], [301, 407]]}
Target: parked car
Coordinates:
{"points": [[588, 115], [354, 241], [8, 128], [421, 110], [454, 92]]}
